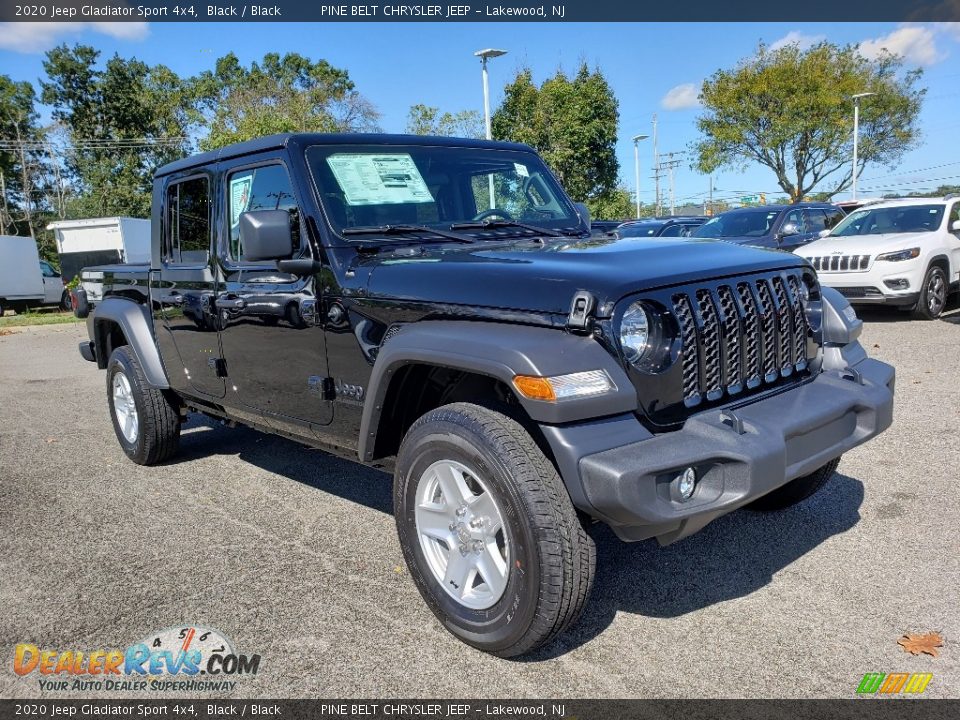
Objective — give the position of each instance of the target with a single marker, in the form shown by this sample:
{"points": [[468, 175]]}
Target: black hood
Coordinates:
{"points": [[543, 278]]}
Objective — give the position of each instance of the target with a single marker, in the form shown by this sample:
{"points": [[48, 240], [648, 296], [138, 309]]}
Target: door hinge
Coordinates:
{"points": [[218, 365], [581, 310]]}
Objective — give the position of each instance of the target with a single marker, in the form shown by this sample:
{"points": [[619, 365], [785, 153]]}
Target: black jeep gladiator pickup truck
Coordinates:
{"points": [[438, 306]]}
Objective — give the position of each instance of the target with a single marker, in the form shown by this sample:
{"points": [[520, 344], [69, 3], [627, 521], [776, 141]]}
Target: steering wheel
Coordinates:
{"points": [[491, 212]]}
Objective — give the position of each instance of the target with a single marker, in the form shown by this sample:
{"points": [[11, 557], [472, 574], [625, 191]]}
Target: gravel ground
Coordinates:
{"points": [[293, 554]]}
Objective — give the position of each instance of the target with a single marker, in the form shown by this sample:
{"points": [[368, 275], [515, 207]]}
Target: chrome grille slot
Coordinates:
{"points": [[691, 358], [710, 345], [840, 263], [732, 339]]}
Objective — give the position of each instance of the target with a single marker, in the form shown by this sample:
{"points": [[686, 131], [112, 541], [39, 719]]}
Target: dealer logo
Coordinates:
{"points": [[183, 653]]}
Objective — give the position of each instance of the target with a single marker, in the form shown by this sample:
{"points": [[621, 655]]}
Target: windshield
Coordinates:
{"points": [[643, 229], [745, 223], [883, 220], [371, 186]]}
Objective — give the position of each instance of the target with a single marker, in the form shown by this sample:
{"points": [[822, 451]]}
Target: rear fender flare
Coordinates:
{"points": [[137, 325]]}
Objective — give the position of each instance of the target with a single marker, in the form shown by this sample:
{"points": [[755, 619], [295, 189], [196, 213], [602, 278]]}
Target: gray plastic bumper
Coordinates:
{"points": [[739, 456]]}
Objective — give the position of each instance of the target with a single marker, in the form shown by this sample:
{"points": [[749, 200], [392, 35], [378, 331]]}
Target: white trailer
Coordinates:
{"points": [[100, 241], [26, 280]]}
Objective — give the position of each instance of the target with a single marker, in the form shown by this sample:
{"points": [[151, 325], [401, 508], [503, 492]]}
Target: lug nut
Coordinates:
{"points": [[463, 549], [461, 511], [476, 523], [478, 546], [452, 526]]}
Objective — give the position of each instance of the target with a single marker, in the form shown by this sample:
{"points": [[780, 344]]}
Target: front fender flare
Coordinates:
{"points": [[499, 351], [137, 325]]}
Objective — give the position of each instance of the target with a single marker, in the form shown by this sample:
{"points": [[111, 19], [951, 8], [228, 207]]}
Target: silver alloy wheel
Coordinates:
{"points": [[125, 408], [936, 293], [462, 534]]}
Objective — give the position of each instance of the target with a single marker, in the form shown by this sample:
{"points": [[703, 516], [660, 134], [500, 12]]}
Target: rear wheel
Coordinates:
{"points": [[66, 301], [146, 420], [795, 491], [488, 531], [933, 294]]}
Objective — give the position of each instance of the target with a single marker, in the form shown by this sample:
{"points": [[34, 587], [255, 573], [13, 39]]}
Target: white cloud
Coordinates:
{"points": [[37, 37], [950, 28], [914, 43], [795, 37], [681, 97]]}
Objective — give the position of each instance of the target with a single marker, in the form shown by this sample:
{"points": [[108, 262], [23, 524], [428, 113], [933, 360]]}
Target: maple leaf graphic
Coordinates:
{"points": [[916, 644]]}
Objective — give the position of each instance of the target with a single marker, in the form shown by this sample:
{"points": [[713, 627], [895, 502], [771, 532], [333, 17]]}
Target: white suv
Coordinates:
{"points": [[902, 252]]}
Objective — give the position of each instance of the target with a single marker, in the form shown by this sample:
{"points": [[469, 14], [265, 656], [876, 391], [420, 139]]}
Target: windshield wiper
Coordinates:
{"points": [[406, 230], [491, 224]]}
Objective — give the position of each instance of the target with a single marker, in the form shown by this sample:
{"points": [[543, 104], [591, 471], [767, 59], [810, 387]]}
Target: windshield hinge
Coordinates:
{"points": [[581, 311]]}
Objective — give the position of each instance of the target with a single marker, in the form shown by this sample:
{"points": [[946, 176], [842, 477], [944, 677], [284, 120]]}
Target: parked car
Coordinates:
{"points": [[26, 281], [673, 226], [600, 227], [904, 253], [848, 206], [519, 376], [780, 227]]}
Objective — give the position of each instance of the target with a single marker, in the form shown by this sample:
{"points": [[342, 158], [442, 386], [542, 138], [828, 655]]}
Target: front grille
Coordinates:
{"points": [[740, 335], [840, 263]]}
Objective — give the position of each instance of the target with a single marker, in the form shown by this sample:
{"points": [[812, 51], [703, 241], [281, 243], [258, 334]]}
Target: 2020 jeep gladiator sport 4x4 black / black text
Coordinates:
{"points": [[438, 306]]}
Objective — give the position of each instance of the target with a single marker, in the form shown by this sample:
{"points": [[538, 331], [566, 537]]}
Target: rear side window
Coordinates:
{"points": [[833, 217], [187, 238], [266, 187]]}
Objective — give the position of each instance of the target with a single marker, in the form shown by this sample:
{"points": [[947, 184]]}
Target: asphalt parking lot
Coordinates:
{"points": [[293, 554]]}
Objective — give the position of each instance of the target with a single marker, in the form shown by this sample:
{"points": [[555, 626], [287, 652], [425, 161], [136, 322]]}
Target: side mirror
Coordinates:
{"points": [[266, 235], [823, 233], [955, 226], [789, 229]]}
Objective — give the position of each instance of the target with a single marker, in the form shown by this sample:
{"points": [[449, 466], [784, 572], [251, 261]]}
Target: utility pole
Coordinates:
{"points": [[711, 198], [669, 166], [656, 164]]}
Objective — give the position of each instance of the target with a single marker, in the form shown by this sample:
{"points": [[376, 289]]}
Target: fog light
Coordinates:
{"points": [[898, 284], [686, 482]]}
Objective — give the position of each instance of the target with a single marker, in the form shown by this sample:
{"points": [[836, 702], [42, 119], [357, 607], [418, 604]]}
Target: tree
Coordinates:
{"points": [[20, 141], [280, 94], [427, 120], [791, 110], [617, 204], [571, 122], [123, 121]]}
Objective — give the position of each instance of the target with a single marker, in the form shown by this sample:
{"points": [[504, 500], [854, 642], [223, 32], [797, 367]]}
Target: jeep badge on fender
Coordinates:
{"points": [[438, 306]]}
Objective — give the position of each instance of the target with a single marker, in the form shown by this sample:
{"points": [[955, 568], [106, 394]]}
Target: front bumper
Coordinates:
{"points": [[739, 456]]}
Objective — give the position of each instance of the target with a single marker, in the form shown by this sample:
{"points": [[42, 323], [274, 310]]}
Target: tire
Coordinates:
{"points": [[66, 301], [933, 294], [795, 491], [147, 422], [546, 560], [3, 307]]}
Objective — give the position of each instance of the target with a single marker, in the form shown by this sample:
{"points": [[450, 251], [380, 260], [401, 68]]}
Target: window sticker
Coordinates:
{"points": [[239, 197], [379, 179], [521, 170]]}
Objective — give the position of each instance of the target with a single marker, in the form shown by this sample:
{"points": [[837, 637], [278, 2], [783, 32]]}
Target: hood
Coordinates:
{"points": [[871, 245], [543, 278]]}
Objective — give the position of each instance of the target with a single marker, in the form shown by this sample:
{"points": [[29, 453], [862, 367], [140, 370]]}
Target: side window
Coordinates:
{"points": [[833, 217], [675, 230], [954, 217], [814, 220], [795, 217], [262, 188], [47, 271], [187, 239]]}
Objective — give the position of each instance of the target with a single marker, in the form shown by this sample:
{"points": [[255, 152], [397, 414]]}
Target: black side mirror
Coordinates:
{"points": [[266, 235]]}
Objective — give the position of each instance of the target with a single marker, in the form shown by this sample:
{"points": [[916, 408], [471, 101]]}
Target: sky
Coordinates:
{"points": [[652, 68]]}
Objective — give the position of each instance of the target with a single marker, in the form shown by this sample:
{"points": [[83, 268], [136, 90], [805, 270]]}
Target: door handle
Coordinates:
{"points": [[231, 303]]}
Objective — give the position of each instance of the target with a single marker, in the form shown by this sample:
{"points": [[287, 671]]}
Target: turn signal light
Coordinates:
{"points": [[563, 387], [534, 388]]}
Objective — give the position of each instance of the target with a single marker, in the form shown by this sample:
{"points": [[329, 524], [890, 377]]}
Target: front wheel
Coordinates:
{"points": [[66, 301], [146, 420], [487, 529], [796, 490], [933, 294]]}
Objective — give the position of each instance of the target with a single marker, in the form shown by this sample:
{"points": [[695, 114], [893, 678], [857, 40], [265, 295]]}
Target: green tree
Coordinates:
{"points": [[571, 122], [123, 121], [428, 120], [20, 159], [618, 204], [288, 93], [791, 110]]}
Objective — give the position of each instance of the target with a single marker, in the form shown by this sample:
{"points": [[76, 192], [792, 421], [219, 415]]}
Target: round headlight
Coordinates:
{"points": [[635, 332]]}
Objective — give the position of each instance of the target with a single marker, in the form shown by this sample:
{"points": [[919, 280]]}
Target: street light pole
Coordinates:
{"points": [[856, 135], [484, 55], [636, 167]]}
